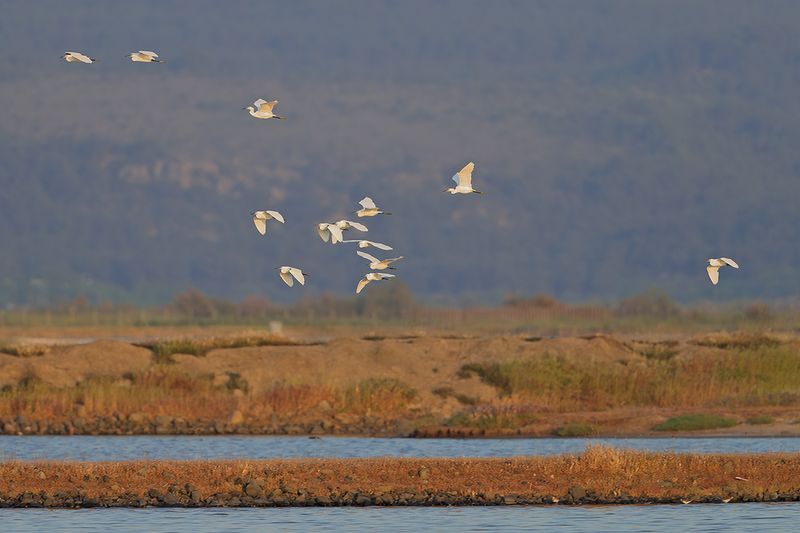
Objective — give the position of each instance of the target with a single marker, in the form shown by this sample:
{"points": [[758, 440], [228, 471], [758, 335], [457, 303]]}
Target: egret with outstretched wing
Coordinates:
{"points": [[369, 209], [463, 181], [372, 276], [289, 274], [263, 109], [715, 264], [260, 219], [377, 264]]}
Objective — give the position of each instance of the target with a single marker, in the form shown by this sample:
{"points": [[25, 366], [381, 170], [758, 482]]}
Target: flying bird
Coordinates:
{"points": [[263, 109], [463, 181], [144, 56], [345, 225], [77, 57], [714, 266], [372, 276], [367, 244], [369, 209], [260, 219], [328, 231], [289, 274], [377, 264]]}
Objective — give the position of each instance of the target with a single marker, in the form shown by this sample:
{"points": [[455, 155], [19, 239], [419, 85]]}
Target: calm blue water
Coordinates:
{"points": [[88, 448], [668, 518]]}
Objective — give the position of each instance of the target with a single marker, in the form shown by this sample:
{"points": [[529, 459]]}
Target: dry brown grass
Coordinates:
{"points": [[164, 390], [607, 472]]}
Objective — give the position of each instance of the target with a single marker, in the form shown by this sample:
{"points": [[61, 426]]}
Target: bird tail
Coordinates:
{"points": [[279, 118]]}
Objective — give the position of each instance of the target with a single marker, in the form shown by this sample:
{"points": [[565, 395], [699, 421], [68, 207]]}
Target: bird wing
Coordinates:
{"points": [[368, 257], [261, 225], [380, 245], [729, 261], [287, 278], [80, 57], [148, 53], [361, 284], [465, 174], [265, 106], [359, 226], [385, 276], [713, 274], [336, 233], [277, 216], [392, 260], [367, 203], [298, 275]]}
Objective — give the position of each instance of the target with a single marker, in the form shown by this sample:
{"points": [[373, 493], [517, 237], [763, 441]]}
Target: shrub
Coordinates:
{"points": [[758, 311], [488, 418], [237, 382], [760, 419], [695, 422], [738, 341], [491, 374], [652, 303]]}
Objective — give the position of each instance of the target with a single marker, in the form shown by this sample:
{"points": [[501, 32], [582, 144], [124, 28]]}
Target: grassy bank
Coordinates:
{"points": [[599, 475], [409, 384]]}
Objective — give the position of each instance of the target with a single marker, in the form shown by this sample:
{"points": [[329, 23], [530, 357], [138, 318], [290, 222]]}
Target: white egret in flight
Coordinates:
{"points": [[372, 276], [260, 219], [463, 181], [369, 209], [289, 274], [263, 109], [377, 264], [144, 56], [714, 266], [77, 57], [345, 225], [328, 231]]}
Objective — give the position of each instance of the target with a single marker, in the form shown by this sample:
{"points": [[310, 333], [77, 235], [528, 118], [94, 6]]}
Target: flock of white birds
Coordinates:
{"points": [[334, 231]]}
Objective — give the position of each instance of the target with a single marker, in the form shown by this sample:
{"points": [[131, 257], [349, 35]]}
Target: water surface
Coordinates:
{"points": [[110, 448], [656, 518]]}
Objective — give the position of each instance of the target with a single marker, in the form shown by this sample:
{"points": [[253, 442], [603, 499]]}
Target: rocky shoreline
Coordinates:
{"points": [[185, 497], [601, 476]]}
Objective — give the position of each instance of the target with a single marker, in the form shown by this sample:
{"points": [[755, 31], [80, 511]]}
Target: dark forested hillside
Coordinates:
{"points": [[620, 144]]}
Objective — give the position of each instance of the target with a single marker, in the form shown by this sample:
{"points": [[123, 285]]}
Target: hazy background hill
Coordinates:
{"points": [[620, 144]]}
